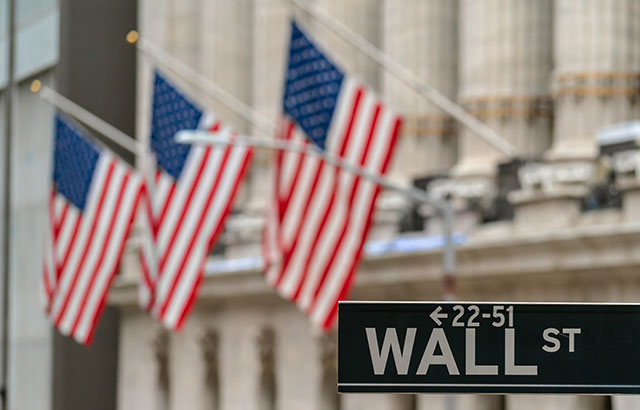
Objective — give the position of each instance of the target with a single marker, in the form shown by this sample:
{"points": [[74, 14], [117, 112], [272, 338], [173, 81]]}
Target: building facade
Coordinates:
{"points": [[75, 47], [559, 221]]}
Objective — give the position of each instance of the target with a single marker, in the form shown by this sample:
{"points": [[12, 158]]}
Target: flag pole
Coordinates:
{"points": [[229, 100], [404, 75], [418, 195], [88, 118], [268, 127], [6, 247]]}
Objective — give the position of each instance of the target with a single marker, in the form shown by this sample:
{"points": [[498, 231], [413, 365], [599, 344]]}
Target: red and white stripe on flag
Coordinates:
{"points": [[188, 215], [320, 216], [84, 246]]}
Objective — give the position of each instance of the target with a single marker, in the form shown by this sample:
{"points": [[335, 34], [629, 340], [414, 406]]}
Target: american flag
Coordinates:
{"points": [[93, 203], [321, 215], [192, 195]]}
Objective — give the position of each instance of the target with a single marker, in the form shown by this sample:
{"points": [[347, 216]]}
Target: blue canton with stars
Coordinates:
{"points": [[172, 112], [74, 161], [312, 86]]}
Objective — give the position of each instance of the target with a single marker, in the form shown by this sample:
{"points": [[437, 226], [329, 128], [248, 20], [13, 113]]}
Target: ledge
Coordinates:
{"points": [[530, 196], [530, 256]]}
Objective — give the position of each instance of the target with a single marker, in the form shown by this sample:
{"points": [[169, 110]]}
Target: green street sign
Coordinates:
{"points": [[461, 347]]}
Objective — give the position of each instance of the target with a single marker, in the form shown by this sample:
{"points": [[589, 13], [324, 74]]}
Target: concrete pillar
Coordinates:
{"points": [[226, 35], [183, 31], [459, 402], [188, 367], [139, 374], [241, 362], [430, 402], [245, 44], [267, 386], [299, 366], [363, 17], [30, 333], [594, 84], [505, 61], [270, 52], [597, 65], [422, 36], [466, 402], [210, 345], [625, 402], [419, 402], [377, 402], [269, 55], [328, 399], [548, 402], [504, 66], [240, 46]]}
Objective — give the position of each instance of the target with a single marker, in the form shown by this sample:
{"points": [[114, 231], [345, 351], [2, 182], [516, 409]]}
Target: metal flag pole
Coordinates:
{"points": [[6, 248], [418, 195], [268, 127], [218, 93], [88, 118], [407, 77]]}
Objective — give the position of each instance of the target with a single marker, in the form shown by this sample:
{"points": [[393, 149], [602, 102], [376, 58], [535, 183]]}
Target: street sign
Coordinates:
{"points": [[456, 347]]}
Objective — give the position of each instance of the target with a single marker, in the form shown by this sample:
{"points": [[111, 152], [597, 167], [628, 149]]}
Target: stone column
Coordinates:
{"points": [[160, 345], [243, 52], [358, 401], [226, 38], [143, 372], [460, 402], [266, 394], [625, 402], [32, 348], [594, 84], [269, 54], [240, 364], [505, 62], [329, 398], [183, 31], [194, 366], [504, 66], [363, 17], [483, 402], [545, 402], [422, 36], [210, 344], [595, 78]]}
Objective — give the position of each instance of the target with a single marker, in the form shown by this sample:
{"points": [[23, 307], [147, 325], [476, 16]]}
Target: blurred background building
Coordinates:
{"points": [[560, 221], [75, 46]]}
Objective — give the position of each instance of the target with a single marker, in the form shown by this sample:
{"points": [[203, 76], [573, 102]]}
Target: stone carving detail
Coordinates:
{"points": [[210, 344], [328, 349], [545, 176], [161, 351], [327, 343], [265, 342]]}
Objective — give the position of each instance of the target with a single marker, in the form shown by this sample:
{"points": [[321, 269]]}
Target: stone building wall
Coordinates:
{"points": [[267, 352], [596, 73], [544, 74], [421, 34], [505, 61]]}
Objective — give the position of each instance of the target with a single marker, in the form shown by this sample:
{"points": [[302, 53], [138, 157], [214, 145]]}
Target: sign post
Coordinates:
{"points": [[455, 347]]}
